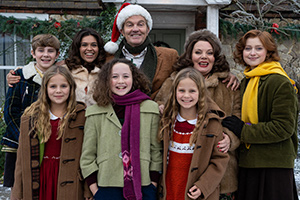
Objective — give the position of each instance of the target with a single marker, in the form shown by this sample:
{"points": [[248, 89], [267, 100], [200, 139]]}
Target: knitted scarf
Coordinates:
{"points": [[249, 106], [130, 143], [150, 61]]}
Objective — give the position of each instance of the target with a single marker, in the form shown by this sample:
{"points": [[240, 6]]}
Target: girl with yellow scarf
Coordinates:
{"points": [[268, 126]]}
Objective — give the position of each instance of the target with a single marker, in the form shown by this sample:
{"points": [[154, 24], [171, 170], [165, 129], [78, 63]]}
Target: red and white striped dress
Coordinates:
{"points": [[179, 158]]}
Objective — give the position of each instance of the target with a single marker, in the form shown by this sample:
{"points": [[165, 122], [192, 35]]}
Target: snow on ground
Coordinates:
{"points": [[4, 193]]}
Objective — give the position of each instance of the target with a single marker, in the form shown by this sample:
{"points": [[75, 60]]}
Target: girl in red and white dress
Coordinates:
{"points": [[193, 166]]}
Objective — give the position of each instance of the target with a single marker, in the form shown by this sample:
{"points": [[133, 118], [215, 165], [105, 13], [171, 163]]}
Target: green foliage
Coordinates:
{"points": [[64, 30], [228, 28]]}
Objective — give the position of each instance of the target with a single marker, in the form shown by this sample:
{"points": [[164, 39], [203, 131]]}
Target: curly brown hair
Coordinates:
{"points": [[75, 61], [267, 41], [102, 88], [185, 60], [172, 107]]}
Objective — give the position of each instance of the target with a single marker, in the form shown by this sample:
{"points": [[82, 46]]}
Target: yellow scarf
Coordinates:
{"points": [[249, 106]]}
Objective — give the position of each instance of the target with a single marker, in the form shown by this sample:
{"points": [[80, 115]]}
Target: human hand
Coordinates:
{"points": [[234, 124], [232, 81], [194, 192], [154, 183], [11, 78], [161, 108], [89, 198], [224, 144], [94, 188]]}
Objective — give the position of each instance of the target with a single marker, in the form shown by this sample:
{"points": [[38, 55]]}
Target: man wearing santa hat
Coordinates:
{"points": [[134, 22]]}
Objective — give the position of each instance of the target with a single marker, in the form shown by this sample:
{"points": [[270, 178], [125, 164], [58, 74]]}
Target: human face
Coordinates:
{"points": [[254, 52], [45, 57], [121, 79], [58, 90], [187, 95], [89, 48], [135, 30], [203, 57]]}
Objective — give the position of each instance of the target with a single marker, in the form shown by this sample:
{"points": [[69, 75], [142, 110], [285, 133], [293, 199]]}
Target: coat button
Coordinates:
{"points": [[35, 185], [120, 155], [119, 132], [34, 163], [34, 141]]}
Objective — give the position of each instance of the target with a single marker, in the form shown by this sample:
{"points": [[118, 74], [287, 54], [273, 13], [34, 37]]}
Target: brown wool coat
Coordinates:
{"points": [[208, 164], [166, 58], [70, 182], [230, 102]]}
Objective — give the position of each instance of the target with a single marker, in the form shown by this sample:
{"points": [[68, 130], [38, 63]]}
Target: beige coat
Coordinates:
{"points": [[208, 164], [84, 84], [230, 102], [70, 181]]}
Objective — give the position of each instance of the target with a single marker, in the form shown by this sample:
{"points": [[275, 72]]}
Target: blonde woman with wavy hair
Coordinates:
{"points": [[51, 136], [193, 166]]}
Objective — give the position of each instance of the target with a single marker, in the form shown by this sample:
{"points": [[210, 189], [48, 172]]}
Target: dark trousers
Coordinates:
{"points": [[9, 169], [267, 183], [116, 193]]}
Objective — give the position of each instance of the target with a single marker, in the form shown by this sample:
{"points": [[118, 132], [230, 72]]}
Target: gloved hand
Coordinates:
{"points": [[234, 124]]}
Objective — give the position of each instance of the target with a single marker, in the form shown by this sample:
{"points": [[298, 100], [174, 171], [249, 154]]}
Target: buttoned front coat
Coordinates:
{"points": [[230, 102], [101, 150], [208, 164], [70, 182]]}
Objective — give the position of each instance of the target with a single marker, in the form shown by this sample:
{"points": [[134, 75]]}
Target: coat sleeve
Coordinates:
{"points": [[280, 122], [212, 176], [13, 110], [88, 159], [17, 190], [156, 147]]}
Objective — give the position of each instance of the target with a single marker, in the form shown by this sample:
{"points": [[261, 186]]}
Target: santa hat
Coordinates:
{"points": [[127, 10]]}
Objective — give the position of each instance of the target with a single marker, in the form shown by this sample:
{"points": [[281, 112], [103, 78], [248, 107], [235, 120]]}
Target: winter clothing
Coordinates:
{"points": [[230, 102], [126, 10], [84, 84], [273, 139], [70, 181], [208, 164], [103, 138], [18, 98]]}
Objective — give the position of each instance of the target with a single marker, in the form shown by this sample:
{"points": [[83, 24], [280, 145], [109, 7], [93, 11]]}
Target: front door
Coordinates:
{"points": [[173, 38]]}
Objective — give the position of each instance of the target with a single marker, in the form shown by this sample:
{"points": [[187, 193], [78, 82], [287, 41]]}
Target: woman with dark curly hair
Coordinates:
{"points": [[203, 51], [268, 125]]}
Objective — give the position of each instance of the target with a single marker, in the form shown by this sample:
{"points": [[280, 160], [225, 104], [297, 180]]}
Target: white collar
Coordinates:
{"points": [[53, 117], [128, 54], [181, 119], [30, 71]]}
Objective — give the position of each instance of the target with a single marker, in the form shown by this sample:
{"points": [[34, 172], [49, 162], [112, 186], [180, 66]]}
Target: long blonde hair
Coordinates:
{"points": [[39, 110], [172, 107]]}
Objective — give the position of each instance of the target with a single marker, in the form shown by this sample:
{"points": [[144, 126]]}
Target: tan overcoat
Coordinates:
{"points": [[70, 182]]}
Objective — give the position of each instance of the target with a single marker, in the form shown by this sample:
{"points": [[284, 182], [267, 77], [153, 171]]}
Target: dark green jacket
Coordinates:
{"points": [[274, 139]]}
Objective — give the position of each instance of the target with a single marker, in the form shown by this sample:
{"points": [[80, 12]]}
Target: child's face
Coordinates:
{"points": [[58, 90], [121, 79], [89, 48], [254, 52], [187, 94], [203, 57], [45, 57]]}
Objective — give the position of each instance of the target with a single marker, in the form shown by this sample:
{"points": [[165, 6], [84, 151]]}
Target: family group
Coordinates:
{"points": [[134, 121]]}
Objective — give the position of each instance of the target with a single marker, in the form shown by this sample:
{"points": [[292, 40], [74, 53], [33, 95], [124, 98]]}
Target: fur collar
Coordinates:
{"points": [[30, 71], [81, 69], [214, 79]]}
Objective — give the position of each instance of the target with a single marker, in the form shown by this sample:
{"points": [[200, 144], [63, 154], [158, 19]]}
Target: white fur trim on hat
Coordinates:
{"points": [[132, 10], [111, 47]]}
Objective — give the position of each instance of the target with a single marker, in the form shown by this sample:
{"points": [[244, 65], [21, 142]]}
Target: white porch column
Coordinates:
{"points": [[212, 19]]}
